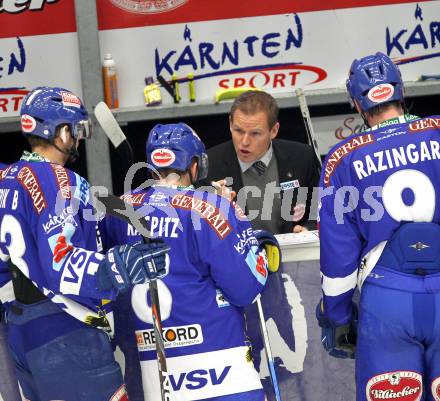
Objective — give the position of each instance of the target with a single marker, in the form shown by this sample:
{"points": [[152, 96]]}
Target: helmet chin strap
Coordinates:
{"points": [[364, 118], [72, 152]]}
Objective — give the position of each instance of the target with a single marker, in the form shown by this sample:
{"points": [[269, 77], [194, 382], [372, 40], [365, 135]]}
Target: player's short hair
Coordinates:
{"points": [[252, 102], [382, 108], [37, 141], [163, 172]]}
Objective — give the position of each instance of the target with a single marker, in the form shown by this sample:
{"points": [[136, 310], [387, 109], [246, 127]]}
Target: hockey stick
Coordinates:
{"points": [[117, 207], [269, 357], [308, 123], [114, 132]]}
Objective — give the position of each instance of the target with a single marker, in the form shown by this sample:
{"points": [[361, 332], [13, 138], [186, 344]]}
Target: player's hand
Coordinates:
{"points": [[338, 341], [299, 229], [298, 212], [127, 265], [267, 240], [222, 190]]}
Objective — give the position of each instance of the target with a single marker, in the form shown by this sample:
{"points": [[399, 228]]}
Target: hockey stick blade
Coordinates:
{"points": [[308, 123], [113, 131], [117, 207]]}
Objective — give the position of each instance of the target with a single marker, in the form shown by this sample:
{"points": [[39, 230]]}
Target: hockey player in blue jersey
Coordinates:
{"points": [[379, 230], [217, 267], [8, 383], [62, 284]]}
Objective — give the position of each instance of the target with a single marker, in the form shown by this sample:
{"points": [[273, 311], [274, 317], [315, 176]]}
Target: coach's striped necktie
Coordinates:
{"points": [[259, 167]]}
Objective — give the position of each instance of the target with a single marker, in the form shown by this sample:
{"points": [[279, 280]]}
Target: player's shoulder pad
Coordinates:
{"points": [[424, 124], [214, 210], [341, 151]]}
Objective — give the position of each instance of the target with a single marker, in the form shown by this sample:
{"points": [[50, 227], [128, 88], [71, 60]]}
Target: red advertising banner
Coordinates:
{"points": [[36, 17], [115, 14]]}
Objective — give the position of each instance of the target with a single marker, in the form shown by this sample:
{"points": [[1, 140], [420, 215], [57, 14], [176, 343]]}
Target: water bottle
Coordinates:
{"points": [[110, 82]]}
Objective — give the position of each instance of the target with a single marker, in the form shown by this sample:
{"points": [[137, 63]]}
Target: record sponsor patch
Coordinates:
{"points": [[179, 336], [162, 157], [402, 385], [28, 123], [381, 93]]}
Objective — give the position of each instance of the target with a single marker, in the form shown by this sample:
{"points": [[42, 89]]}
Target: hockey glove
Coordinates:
{"points": [[338, 341], [267, 240], [127, 265]]}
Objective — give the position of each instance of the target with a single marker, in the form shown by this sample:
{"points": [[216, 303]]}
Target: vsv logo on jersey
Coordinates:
{"points": [[199, 378]]}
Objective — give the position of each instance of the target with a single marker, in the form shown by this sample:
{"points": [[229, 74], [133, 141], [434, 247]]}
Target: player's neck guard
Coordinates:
{"points": [[180, 187], [404, 118], [33, 157]]}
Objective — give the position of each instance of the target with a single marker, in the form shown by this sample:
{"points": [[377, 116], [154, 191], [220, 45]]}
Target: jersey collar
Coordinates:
{"points": [[33, 157], [180, 187], [396, 120]]}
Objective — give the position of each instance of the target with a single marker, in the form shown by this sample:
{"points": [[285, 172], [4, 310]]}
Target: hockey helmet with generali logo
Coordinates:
{"points": [[374, 80], [175, 146], [45, 108]]}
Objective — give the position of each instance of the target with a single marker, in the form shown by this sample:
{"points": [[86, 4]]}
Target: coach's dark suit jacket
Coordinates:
{"points": [[296, 161]]}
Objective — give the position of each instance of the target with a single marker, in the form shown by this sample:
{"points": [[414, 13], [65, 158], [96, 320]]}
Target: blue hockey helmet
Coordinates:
{"points": [[175, 146], [46, 108], [374, 80]]}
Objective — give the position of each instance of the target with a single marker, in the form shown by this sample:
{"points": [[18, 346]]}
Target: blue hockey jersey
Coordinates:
{"points": [[370, 183], [215, 270], [48, 231], [6, 290]]}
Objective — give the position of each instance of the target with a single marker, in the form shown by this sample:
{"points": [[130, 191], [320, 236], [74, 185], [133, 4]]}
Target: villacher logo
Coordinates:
{"points": [[402, 385], [148, 6]]}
